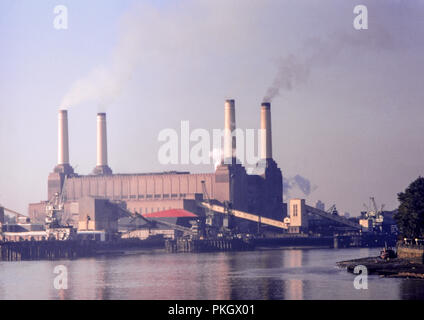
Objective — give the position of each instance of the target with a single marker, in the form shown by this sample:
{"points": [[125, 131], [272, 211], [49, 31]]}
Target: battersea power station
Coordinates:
{"points": [[148, 193]]}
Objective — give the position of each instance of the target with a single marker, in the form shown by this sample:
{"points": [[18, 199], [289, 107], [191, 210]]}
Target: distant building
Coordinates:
{"points": [[146, 193], [320, 205]]}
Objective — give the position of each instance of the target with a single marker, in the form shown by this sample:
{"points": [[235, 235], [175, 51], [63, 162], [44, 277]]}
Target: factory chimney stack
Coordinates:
{"points": [[229, 127], [266, 135], [101, 164], [63, 142], [63, 168], [63, 145]]}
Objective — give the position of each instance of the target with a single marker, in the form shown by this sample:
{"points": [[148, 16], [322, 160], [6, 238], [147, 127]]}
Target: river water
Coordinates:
{"points": [[261, 274]]}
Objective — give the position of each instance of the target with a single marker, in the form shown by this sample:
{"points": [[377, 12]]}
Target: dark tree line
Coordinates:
{"points": [[410, 218]]}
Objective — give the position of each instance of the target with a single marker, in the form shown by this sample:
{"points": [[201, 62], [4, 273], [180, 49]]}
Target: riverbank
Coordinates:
{"points": [[72, 249], [393, 268]]}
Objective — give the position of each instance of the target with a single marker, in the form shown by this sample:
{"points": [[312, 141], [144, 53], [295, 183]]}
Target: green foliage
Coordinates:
{"points": [[410, 218]]}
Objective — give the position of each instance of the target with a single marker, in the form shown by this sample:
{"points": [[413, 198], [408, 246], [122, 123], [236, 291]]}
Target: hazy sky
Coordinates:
{"points": [[352, 123]]}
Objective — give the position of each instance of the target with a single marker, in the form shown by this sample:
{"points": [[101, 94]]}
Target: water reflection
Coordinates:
{"points": [[412, 289], [272, 274], [294, 289]]}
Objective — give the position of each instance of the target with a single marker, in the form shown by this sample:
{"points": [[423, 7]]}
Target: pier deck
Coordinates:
{"points": [[44, 250]]}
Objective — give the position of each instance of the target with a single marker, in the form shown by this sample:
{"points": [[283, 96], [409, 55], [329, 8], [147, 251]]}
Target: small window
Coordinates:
{"points": [[295, 210]]}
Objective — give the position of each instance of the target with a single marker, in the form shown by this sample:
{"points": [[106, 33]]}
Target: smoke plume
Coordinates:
{"points": [[182, 36], [104, 83], [293, 71], [216, 155], [296, 184]]}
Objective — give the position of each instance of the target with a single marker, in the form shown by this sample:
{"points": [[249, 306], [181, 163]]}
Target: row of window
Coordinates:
{"points": [[159, 196], [295, 210], [150, 210], [142, 196]]}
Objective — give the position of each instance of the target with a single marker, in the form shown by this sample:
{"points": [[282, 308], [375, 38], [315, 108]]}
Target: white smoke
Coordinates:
{"points": [[106, 82], [100, 85], [217, 157], [197, 32], [151, 35]]}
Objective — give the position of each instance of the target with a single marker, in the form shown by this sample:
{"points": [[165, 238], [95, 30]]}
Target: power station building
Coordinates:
{"points": [[146, 193]]}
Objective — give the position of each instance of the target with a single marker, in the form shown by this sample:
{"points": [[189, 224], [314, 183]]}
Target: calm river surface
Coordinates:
{"points": [[266, 274]]}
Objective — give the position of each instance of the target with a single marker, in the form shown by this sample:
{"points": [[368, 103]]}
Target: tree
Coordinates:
{"points": [[410, 217]]}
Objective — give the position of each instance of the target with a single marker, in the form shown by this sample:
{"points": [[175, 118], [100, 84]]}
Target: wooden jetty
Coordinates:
{"points": [[45, 250], [71, 249]]}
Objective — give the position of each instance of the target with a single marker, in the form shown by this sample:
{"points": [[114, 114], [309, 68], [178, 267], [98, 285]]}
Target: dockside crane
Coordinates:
{"points": [[333, 210], [55, 208], [377, 213], [210, 215], [373, 217], [55, 214], [366, 207]]}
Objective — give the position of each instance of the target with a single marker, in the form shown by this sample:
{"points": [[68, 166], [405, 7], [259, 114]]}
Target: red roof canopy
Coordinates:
{"points": [[172, 213]]}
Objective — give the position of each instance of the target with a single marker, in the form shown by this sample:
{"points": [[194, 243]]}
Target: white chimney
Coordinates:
{"points": [[101, 163], [266, 136], [63, 142], [101, 140], [229, 127]]}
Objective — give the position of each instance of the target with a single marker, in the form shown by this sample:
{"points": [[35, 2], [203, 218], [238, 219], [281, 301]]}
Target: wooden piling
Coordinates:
{"points": [[41, 250]]}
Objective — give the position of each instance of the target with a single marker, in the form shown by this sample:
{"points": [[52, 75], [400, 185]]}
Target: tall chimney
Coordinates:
{"points": [[63, 142], [63, 168], [229, 127], [101, 164], [101, 140], [266, 136]]}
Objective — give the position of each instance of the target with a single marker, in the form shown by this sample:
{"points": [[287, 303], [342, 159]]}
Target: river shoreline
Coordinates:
{"points": [[393, 268]]}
